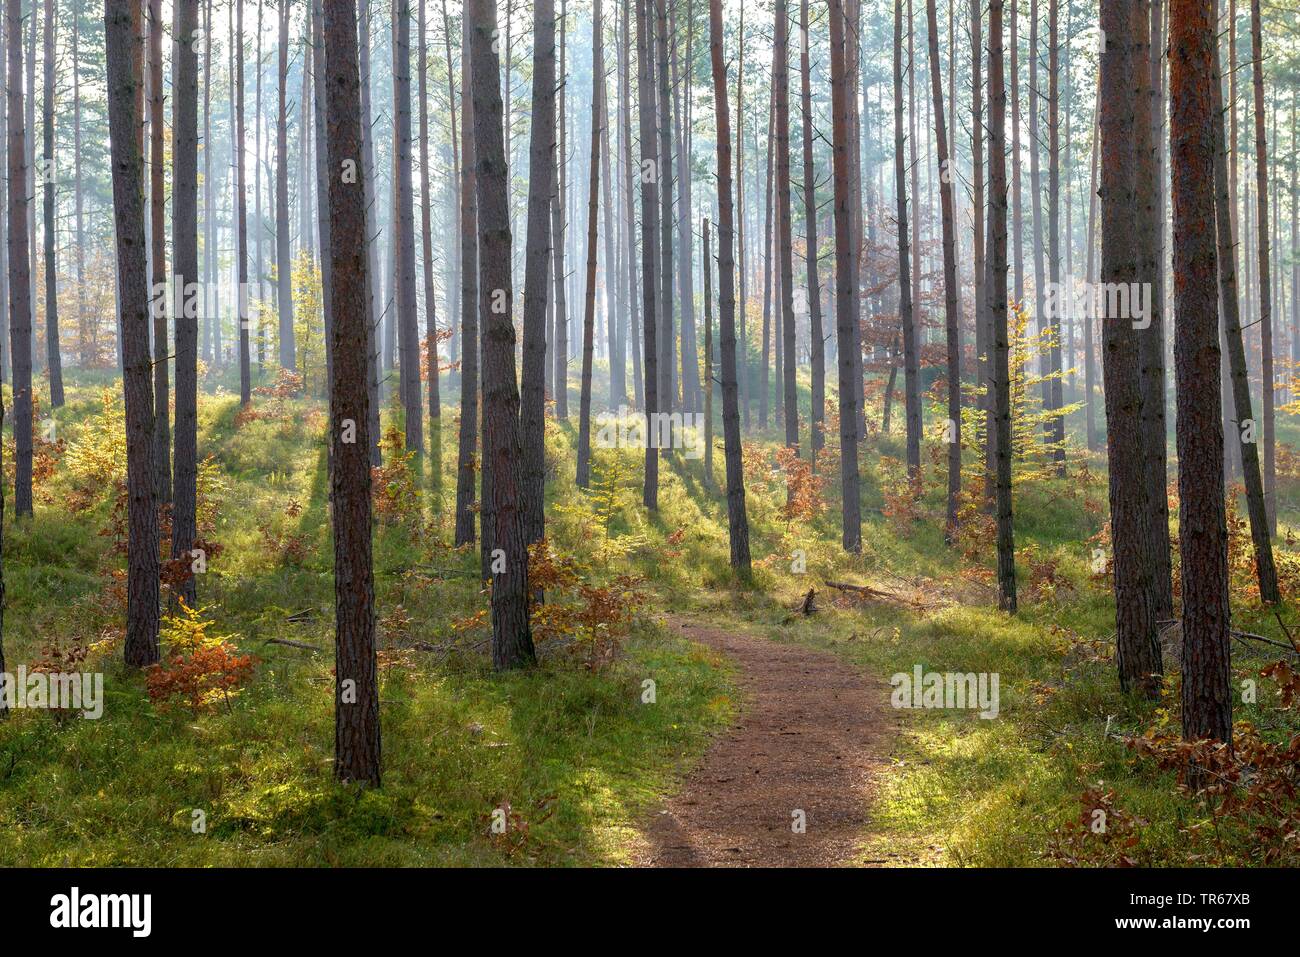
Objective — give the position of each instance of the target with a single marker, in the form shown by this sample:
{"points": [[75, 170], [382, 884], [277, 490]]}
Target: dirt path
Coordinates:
{"points": [[812, 734]]}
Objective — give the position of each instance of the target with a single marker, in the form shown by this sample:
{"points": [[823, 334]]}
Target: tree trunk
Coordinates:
{"points": [[1202, 540], [20, 281], [816, 336], [283, 257], [649, 227], [995, 288], [541, 165], [1151, 339], [1053, 399], [124, 68], [952, 434], [708, 359], [512, 643], [430, 304], [589, 305], [469, 334], [560, 341], [1246, 433], [162, 455], [372, 222], [737, 522], [664, 169], [1137, 643], [1268, 383], [356, 684], [682, 83], [846, 281], [241, 218], [54, 360], [408, 327], [906, 318], [781, 93]]}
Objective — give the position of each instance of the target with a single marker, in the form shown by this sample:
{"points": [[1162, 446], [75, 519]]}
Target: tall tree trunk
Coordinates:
{"points": [[1268, 383], [781, 93], [426, 233], [995, 287], [629, 191], [356, 684], [589, 304], [668, 343], [649, 252], [560, 341], [1151, 344], [983, 347], [408, 328], [952, 433], [320, 149], [769, 194], [1137, 641], [54, 360], [242, 312], [1245, 434], [283, 257], [708, 358], [541, 165], [816, 336], [469, 291], [185, 252], [906, 318], [373, 312], [737, 522], [1202, 540], [1053, 399], [846, 281], [512, 643], [1089, 346], [1017, 193], [162, 453], [123, 43], [682, 82], [20, 282]]}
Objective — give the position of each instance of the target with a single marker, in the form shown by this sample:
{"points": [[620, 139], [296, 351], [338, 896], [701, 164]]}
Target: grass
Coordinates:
{"points": [[571, 750]]}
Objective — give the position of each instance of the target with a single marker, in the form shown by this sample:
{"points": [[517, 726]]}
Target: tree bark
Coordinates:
{"points": [[952, 433], [1202, 539], [54, 359], [541, 165], [1268, 383], [781, 93], [995, 287], [469, 332], [162, 458], [1137, 643], [589, 305], [408, 329], [283, 257], [737, 522], [356, 685], [20, 270], [846, 283], [124, 67], [816, 335], [185, 269], [1245, 432], [649, 253], [906, 316], [512, 643]]}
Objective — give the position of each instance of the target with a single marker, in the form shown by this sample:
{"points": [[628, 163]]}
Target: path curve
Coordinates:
{"points": [[812, 736]]}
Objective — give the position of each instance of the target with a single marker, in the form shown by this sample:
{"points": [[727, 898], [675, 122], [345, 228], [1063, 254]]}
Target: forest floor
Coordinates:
{"points": [[790, 784], [571, 753]]}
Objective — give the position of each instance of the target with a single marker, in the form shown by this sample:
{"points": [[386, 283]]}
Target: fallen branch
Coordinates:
{"points": [[292, 644], [1267, 641], [806, 606], [860, 589]]}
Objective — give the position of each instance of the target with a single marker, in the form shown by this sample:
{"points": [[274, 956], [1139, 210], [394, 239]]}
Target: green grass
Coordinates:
{"points": [[573, 751]]}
